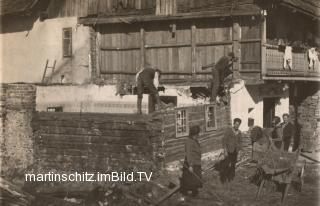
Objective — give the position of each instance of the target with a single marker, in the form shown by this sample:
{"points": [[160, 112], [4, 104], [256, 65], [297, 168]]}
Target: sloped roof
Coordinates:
{"points": [[311, 7], [307, 7], [9, 7]]}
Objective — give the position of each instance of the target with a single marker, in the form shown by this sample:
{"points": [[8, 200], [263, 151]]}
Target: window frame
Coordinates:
{"points": [[206, 117], [186, 133], [64, 54]]}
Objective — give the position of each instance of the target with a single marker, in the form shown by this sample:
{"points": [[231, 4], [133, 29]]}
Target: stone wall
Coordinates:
{"points": [[16, 141], [305, 111]]}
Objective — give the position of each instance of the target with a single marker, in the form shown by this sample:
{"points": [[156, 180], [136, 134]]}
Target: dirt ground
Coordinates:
{"points": [[242, 193]]}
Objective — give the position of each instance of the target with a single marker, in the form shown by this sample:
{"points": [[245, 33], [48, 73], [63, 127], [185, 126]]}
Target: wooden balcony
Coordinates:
{"points": [[274, 68]]}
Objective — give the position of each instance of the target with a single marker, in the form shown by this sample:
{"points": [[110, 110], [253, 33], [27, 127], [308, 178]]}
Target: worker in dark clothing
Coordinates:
{"points": [[145, 78], [220, 71], [191, 176], [231, 144], [276, 133], [287, 132]]}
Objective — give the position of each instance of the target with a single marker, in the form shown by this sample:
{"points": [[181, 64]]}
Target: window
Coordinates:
{"points": [[210, 117], [182, 125], [67, 42]]}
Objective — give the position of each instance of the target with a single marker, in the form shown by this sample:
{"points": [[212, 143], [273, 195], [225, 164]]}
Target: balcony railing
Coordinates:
{"points": [[300, 64]]}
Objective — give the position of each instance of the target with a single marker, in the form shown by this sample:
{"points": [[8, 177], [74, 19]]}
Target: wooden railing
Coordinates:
{"points": [[300, 64]]}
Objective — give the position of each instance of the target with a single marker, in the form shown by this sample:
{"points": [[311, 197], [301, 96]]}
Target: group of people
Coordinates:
{"points": [[231, 143], [148, 77], [283, 133]]}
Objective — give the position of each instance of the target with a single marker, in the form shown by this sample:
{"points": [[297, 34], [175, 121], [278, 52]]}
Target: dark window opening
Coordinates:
{"points": [[210, 117], [55, 109], [67, 42]]}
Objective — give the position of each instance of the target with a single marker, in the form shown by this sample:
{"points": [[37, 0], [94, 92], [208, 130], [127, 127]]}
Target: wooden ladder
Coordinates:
{"points": [[45, 78]]}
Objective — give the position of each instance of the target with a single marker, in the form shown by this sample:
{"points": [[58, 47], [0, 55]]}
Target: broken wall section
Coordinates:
{"points": [[17, 103]]}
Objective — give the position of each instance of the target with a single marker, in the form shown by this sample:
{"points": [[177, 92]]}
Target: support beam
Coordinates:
{"points": [[142, 47], [236, 47], [193, 49], [263, 46]]}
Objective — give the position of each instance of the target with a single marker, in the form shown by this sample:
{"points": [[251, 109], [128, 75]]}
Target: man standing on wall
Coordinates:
{"points": [[148, 77], [220, 71]]}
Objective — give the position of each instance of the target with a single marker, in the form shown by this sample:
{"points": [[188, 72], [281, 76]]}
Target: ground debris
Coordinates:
{"points": [[11, 194]]}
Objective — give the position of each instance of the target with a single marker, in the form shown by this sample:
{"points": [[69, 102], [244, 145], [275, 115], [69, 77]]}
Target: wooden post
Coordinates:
{"points": [[236, 46], [174, 6], [142, 47], [158, 10], [263, 47], [193, 49], [260, 189]]}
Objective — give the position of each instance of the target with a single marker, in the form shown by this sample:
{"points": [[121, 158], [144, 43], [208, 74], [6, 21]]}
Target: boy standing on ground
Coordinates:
{"points": [[231, 144]]}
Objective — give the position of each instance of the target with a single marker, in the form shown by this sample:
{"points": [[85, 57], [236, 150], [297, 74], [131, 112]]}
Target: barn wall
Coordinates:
{"points": [[179, 49]]}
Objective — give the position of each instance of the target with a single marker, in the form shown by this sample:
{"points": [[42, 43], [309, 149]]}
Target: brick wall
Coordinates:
{"points": [[17, 102]]}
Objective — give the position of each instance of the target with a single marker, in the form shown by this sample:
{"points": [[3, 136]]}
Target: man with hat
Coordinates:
{"points": [[220, 71]]}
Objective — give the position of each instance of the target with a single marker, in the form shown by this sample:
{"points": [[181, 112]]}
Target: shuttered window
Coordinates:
{"points": [[67, 42]]}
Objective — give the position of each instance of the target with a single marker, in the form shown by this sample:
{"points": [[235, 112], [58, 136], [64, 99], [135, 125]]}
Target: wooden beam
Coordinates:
{"points": [[148, 18], [263, 47], [193, 48], [118, 48], [142, 47], [249, 40], [152, 46], [157, 7], [216, 43], [175, 45], [236, 46], [312, 79]]}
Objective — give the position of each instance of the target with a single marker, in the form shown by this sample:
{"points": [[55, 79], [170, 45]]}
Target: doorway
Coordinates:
{"points": [[268, 111]]}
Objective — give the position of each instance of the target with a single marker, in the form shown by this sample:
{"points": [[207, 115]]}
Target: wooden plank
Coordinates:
{"points": [[236, 36], [142, 47], [52, 139], [118, 48], [263, 46], [148, 18], [193, 48], [158, 11]]}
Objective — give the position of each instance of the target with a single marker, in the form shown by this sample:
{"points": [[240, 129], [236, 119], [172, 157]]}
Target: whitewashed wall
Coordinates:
{"points": [[24, 53]]}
